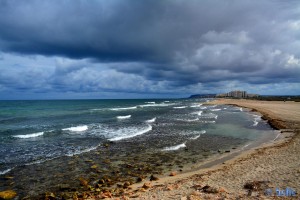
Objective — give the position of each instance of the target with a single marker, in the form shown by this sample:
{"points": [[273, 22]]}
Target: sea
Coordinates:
{"points": [[43, 142]]}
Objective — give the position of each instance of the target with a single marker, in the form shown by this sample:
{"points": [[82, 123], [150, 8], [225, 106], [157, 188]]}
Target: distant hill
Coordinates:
{"points": [[202, 96]]}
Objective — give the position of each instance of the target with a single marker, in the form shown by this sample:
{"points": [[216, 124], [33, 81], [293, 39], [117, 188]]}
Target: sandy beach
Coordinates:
{"points": [[255, 174]]}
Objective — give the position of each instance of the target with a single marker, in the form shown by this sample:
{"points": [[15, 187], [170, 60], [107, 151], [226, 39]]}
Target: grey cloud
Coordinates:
{"points": [[157, 44]]}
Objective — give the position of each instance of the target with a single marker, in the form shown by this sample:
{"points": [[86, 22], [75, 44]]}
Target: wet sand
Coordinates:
{"points": [[248, 176]]}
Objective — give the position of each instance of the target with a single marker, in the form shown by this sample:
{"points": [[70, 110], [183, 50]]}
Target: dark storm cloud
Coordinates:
{"points": [[166, 44]]}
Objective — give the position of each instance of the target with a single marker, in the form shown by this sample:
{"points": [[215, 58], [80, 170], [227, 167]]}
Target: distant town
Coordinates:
{"points": [[240, 94]]}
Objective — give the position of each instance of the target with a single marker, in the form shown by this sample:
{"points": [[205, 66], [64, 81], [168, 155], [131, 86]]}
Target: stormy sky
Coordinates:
{"points": [[147, 49]]}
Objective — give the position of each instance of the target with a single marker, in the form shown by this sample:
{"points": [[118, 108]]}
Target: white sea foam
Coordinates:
{"points": [[151, 120], [76, 152], [29, 135], [96, 109], [180, 107], [196, 106], [277, 136], [188, 120], [208, 122], [124, 117], [204, 107], [196, 137], [126, 108], [76, 128], [173, 148], [241, 109], [166, 101], [5, 171], [192, 120], [257, 119], [199, 113], [127, 133], [150, 102], [245, 146], [217, 109], [209, 116], [156, 105]]}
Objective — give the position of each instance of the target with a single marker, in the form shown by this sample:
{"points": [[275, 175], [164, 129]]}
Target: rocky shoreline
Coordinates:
{"points": [[260, 173], [160, 176]]}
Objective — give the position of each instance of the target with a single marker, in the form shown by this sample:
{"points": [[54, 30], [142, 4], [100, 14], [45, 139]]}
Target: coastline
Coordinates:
{"points": [[271, 166]]}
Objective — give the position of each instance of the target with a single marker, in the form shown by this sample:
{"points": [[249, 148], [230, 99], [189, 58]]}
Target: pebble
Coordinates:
{"points": [[146, 186], [173, 174], [8, 194]]}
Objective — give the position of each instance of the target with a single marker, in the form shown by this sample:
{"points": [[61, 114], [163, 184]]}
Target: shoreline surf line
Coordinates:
{"points": [[245, 155]]}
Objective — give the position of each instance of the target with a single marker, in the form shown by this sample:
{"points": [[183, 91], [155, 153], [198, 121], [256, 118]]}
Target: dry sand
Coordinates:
{"points": [[267, 167]]}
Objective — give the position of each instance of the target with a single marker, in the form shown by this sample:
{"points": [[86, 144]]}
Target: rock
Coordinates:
{"points": [[153, 178], [147, 186], [126, 184], [256, 185], [94, 167], [8, 194], [197, 187], [50, 195], [139, 179], [173, 174], [209, 189], [83, 182], [106, 195], [63, 187], [222, 190], [227, 151]]}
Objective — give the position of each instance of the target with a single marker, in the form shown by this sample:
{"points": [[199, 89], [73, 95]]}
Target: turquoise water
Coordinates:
{"points": [[46, 143], [37, 131]]}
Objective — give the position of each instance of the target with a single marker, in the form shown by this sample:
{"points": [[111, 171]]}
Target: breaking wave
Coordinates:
{"points": [[29, 135], [126, 108], [124, 117], [180, 107], [257, 118], [129, 133], [151, 120], [76, 128], [176, 147]]}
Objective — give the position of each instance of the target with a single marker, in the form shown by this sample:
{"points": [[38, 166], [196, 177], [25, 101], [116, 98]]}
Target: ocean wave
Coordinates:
{"points": [[188, 120], [5, 171], [217, 109], [176, 147], [156, 105], [209, 116], [196, 106], [208, 122], [257, 119], [151, 120], [198, 134], [180, 107], [199, 113], [124, 117], [127, 133], [29, 135], [204, 107], [126, 108], [96, 109], [79, 151], [196, 137], [150, 102], [76, 128]]}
